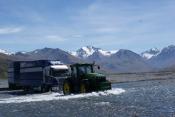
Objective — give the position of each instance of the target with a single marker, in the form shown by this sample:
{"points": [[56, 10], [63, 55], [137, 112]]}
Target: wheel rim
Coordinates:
{"points": [[82, 88], [66, 88]]}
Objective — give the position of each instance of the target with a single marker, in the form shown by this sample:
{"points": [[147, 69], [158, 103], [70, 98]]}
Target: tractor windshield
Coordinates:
{"points": [[85, 70]]}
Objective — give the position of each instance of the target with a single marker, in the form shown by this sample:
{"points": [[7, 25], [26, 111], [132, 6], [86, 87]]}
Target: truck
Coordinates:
{"points": [[39, 74], [84, 79]]}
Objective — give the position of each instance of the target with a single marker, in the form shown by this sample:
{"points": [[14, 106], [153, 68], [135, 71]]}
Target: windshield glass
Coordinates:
{"points": [[85, 70], [60, 73]]}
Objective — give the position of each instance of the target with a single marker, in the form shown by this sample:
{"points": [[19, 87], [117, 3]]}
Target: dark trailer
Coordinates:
{"points": [[41, 74]]}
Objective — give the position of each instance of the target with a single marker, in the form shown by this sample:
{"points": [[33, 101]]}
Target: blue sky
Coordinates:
{"points": [[70, 24]]}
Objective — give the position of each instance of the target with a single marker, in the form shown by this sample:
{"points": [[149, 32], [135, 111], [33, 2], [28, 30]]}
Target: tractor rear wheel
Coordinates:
{"points": [[67, 88]]}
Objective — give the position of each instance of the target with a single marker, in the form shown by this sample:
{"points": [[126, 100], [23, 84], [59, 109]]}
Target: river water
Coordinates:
{"points": [[133, 99]]}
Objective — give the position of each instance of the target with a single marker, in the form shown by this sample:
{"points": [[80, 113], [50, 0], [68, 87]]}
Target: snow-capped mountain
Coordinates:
{"points": [[5, 52], [114, 61], [88, 51], [150, 53], [120, 61]]}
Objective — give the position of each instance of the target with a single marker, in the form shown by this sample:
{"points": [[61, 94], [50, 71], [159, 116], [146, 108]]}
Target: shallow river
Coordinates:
{"points": [[134, 99]]}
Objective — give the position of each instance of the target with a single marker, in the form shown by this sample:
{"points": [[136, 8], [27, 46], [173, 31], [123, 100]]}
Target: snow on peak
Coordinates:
{"points": [[147, 55], [73, 53], [5, 52], [107, 53], [87, 51], [153, 50], [84, 52], [150, 53], [113, 51], [23, 52], [35, 51]]}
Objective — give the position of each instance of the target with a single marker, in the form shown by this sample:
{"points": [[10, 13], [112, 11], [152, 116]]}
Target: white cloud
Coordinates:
{"points": [[10, 30], [55, 38], [77, 36], [99, 18]]}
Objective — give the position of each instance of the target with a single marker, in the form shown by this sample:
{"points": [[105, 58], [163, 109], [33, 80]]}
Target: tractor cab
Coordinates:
{"points": [[84, 79], [80, 70]]}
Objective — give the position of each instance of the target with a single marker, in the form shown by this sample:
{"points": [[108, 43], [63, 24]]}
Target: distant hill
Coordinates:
{"points": [[126, 61], [47, 53]]}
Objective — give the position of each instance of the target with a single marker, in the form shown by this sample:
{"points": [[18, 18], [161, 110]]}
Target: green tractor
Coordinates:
{"points": [[83, 79]]}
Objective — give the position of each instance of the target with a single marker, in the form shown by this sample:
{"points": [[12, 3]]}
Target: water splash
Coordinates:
{"points": [[58, 96]]}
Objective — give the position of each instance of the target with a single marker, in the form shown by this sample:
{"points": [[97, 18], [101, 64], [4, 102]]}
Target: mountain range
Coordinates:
{"points": [[115, 61]]}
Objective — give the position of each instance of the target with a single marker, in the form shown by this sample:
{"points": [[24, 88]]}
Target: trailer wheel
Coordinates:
{"points": [[11, 86], [45, 88], [67, 88], [27, 88]]}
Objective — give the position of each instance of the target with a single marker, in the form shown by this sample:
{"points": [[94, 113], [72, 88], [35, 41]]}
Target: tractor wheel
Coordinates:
{"points": [[83, 88], [67, 88]]}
